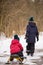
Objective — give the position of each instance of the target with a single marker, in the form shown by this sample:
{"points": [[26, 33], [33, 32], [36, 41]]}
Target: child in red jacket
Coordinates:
{"points": [[16, 49]]}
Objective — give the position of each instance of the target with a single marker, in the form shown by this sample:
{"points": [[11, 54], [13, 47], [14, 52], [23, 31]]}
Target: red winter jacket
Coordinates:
{"points": [[15, 46]]}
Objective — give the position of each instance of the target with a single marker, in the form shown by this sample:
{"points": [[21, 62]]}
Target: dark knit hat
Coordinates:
{"points": [[16, 37], [31, 19]]}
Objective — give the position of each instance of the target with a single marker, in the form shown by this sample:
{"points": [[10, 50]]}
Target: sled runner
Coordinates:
{"points": [[20, 59]]}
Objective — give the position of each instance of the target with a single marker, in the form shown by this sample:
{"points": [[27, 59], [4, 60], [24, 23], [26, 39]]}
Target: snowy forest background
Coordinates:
{"points": [[14, 15]]}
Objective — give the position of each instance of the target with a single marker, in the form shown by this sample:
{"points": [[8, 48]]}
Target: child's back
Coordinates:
{"points": [[15, 46]]}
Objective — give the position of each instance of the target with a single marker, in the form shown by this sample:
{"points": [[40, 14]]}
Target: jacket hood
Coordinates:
{"points": [[15, 41], [32, 24]]}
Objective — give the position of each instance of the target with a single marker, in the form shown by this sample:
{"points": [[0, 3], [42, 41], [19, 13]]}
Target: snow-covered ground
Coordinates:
{"points": [[5, 46]]}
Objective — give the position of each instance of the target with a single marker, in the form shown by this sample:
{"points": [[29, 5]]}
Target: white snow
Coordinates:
{"points": [[5, 47]]}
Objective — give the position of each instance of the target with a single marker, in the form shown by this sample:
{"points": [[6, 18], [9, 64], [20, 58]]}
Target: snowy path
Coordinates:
{"points": [[37, 59]]}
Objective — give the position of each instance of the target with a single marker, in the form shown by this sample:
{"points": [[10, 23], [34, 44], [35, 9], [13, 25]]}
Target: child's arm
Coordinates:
{"points": [[20, 46]]}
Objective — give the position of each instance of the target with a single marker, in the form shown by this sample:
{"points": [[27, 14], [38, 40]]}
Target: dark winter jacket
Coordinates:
{"points": [[15, 46], [31, 32]]}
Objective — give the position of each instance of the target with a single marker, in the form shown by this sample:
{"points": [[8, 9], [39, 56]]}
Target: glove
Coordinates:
{"points": [[37, 39]]}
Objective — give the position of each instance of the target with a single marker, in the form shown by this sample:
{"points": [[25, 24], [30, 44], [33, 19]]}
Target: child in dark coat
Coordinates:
{"points": [[16, 49], [31, 34]]}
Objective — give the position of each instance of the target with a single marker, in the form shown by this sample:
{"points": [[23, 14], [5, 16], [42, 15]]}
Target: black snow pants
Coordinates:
{"points": [[30, 48]]}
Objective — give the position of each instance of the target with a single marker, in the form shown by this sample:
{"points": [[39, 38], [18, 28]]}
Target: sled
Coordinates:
{"points": [[18, 58]]}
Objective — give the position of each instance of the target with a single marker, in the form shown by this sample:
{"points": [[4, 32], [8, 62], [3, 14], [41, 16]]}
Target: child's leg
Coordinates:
{"points": [[28, 49]]}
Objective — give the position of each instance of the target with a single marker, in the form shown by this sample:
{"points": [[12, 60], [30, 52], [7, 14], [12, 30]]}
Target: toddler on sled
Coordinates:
{"points": [[16, 50]]}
